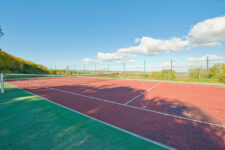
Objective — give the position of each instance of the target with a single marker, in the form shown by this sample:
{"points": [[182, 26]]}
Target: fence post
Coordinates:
{"points": [[67, 69], [75, 67], [144, 68], [2, 83], [124, 69], [107, 68], [207, 67], [95, 69], [55, 70], [171, 72], [84, 68]]}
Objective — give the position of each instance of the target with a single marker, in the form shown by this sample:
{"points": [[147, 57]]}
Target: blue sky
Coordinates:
{"points": [[65, 32]]}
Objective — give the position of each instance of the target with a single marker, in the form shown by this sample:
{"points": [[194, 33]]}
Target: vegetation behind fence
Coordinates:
{"points": [[207, 71]]}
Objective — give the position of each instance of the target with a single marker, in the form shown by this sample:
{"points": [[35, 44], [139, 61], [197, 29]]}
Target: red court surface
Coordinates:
{"points": [[182, 116]]}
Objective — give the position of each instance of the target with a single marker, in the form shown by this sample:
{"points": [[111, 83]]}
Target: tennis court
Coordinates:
{"points": [[176, 115]]}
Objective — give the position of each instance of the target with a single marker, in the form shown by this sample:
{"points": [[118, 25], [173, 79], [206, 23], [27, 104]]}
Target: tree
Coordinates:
{"points": [[197, 74], [221, 75], [217, 72], [156, 75], [163, 75], [166, 74]]}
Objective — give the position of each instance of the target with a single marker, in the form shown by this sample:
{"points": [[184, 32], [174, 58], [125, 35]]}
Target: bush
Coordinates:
{"points": [[197, 74], [218, 71], [166, 74], [163, 75], [156, 75]]}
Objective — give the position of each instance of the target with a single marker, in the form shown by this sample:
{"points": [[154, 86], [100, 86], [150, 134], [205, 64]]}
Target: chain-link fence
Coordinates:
{"points": [[194, 70]]}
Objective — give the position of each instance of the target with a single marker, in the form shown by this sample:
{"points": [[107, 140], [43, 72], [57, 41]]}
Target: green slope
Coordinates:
{"points": [[12, 64]]}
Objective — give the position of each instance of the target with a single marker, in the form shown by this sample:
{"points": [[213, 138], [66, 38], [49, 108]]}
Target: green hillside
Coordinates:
{"points": [[12, 64]]}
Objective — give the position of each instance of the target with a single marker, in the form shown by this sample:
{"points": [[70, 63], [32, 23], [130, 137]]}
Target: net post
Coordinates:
{"points": [[2, 83], [75, 69], [171, 72], [207, 68], [144, 68]]}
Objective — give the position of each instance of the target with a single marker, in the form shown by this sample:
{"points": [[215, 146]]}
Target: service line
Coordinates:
{"points": [[142, 94]]}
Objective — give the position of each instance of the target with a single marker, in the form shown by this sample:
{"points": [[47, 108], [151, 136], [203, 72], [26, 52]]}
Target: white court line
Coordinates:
{"points": [[142, 93], [197, 104], [105, 123], [143, 109], [194, 84]]}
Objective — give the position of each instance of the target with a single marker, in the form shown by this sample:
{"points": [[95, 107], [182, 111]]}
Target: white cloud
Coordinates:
{"points": [[204, 58], [132, 61], [151, 46], [208, 33], [119, 62], [90, 61], [176, 44], [114, 56]]}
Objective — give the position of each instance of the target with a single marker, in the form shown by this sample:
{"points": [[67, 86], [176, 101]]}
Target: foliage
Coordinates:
{"points": [[156, 75], [221, 75], [197, 74], [166, 74], [163, 75], [12, 64], [217, 72]]}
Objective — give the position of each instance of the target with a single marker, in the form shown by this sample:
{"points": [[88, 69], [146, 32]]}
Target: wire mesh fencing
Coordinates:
{"points": [[194, 70]]}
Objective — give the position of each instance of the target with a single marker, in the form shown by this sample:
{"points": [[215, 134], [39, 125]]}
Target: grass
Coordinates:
{"points": [[29, 122]]}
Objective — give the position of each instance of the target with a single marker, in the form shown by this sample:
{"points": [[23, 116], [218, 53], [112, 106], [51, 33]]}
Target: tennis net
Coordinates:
{"points": [[46, 77]]}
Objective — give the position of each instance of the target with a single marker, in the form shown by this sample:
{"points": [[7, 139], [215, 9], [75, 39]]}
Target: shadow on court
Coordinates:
{"points": [[29, 122], [172, 131]]}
